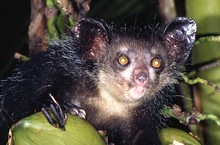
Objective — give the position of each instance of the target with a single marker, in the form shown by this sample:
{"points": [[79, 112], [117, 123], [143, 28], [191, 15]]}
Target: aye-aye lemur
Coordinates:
{"points": [[120, 78]]}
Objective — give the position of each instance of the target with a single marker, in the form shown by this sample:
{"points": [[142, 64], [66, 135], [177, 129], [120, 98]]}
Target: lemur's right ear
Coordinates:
{"points": [[178, 35], [93, 36]]}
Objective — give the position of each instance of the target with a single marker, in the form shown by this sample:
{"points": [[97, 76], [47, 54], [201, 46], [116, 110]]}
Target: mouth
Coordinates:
{"points": [[137, 92]]}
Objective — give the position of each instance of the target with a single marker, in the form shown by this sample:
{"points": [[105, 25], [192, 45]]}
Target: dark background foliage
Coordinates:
{"points": [[16, 18]]}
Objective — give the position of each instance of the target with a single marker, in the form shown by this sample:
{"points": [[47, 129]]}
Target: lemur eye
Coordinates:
{"points": [[123, 60], [156, 63]]}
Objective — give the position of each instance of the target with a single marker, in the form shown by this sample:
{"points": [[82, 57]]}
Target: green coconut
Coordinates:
{"points": [[35, 130]]}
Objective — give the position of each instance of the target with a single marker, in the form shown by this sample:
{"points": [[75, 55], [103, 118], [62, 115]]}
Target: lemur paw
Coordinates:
{"points": [[75, 110], [103, 133], [60, 117]]}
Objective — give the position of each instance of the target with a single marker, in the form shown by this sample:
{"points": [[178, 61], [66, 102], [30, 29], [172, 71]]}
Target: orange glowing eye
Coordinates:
{"points": [[123, 60], [156, 63]]}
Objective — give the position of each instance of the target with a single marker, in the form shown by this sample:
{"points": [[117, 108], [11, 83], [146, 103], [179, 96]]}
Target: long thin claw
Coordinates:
{"points": [[58, 117], [48, 116]]}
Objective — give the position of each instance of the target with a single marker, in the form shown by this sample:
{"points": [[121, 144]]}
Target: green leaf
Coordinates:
{"points": [[206, 13], [204, 54]]}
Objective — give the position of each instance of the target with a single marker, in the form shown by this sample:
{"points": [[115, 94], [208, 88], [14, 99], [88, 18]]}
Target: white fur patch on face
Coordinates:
{"points": [[127, 73], [123, 48], [111, 107], [114, 100], [152, 74], [153, 51]]}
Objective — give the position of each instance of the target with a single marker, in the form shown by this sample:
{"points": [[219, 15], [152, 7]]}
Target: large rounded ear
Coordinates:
{"points": [[179, 36], [92, 36]]}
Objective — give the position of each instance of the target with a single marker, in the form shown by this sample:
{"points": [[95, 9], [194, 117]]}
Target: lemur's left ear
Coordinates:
{"points": [[178, 35]]}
